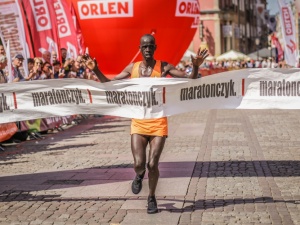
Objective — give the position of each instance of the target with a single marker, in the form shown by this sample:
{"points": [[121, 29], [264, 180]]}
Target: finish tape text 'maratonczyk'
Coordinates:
{"points": [[55, 97], [224, 89], [137, 98]]}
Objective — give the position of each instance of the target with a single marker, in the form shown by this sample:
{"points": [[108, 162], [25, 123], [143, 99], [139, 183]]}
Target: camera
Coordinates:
{"points": [[86, 56]]}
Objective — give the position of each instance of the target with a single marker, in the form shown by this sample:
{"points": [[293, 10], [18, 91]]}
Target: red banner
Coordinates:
{"points": [[7, 130], [42, 20], [277, 45], [66, 27], [80, 40]]}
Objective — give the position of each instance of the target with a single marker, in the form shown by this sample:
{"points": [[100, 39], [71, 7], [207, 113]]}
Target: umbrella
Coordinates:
{"points": [[232, 55], [263, 53], [210, 58], [254, 56]]}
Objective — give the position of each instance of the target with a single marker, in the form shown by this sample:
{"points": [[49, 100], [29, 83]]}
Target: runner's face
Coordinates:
{"points": [[147, 47]]}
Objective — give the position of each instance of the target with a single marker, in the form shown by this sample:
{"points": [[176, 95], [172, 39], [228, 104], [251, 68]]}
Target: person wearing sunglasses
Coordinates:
{"points": [[146, 132], [36, 71], [47, 72]]}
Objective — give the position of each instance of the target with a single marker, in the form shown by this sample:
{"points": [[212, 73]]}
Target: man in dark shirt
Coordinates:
{"points": [[16, 75]]}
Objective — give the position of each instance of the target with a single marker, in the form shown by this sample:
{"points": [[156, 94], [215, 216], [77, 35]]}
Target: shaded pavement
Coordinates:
{"points": [[218, 167]]}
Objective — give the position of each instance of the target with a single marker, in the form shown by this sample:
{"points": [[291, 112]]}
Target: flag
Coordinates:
{"points": [[9, 57], [276, 43], [287, 21], [42, 20], [67, 32], [14, 28], [51, 49], [79, 36]]}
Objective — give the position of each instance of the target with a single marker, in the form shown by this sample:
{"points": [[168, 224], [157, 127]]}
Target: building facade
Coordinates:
{"points": [[231, 25]]}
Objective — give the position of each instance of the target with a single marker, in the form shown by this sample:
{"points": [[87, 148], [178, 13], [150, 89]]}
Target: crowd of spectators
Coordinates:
{"points": [[47, 66], [234, 64], [241, 64]]}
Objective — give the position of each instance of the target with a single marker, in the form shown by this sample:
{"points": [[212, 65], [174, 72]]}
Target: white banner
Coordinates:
{"points": [[149, 97], [12, 30], [288, 29]]}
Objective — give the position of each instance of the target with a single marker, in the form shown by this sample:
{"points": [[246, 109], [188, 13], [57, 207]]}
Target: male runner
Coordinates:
{"points": [[148, 131]]}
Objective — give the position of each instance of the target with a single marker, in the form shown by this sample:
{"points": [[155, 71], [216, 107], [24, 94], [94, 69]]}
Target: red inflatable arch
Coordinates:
{"points": [[112, 29]]}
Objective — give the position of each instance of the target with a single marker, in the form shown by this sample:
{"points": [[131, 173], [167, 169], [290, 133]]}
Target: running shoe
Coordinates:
{"points": [[152, 205], [137, 183]]}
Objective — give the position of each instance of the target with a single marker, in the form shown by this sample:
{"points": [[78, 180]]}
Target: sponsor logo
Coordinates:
{"points": [[288, 27], [188, 8], [279, 88], [208, 91], [105, 9], [41, 14], [56, 97], [137, 98], [61, 19]]}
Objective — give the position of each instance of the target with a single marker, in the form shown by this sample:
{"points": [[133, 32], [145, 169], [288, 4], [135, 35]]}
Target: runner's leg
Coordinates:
{"points": [[138, 148], [156, 146]]}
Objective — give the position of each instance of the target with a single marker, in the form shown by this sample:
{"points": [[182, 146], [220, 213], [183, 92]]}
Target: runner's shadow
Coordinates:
{"points": [[215, 203], [113, 174]]}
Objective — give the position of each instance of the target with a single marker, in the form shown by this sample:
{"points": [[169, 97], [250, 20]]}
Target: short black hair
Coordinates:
{"points": [[30, 60], [56, 62], [63, 49], [150, 36]]}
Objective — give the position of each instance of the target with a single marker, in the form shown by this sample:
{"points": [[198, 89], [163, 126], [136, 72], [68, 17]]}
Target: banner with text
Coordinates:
{"points": [[14, 30], [66, 28], [151, 98], [43, 24], [289, 32]]}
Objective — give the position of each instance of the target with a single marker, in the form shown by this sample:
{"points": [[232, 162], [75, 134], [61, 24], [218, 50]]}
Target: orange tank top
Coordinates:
{"points": [[153, 127]]}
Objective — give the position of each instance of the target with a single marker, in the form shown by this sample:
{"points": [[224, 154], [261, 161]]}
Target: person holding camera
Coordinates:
{"points": [[74, 68]]}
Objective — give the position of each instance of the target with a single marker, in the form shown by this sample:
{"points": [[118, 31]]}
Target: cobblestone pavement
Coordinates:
{"points": [[218, 167]]}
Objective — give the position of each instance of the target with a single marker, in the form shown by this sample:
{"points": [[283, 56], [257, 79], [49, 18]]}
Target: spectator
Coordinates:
{"points": [[30, 63], [2, 50], [54, 56], [57, 71], [47, 72], [3, 64], [249, 64], [257, 63], [273, 63], [269, 63], [36, 71], [46, 56], [74, 68], [264, 63], [63, 53], [16, 75]]}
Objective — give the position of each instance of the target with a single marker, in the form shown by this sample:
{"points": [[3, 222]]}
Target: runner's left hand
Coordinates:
{"points": [[200, 57]]}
